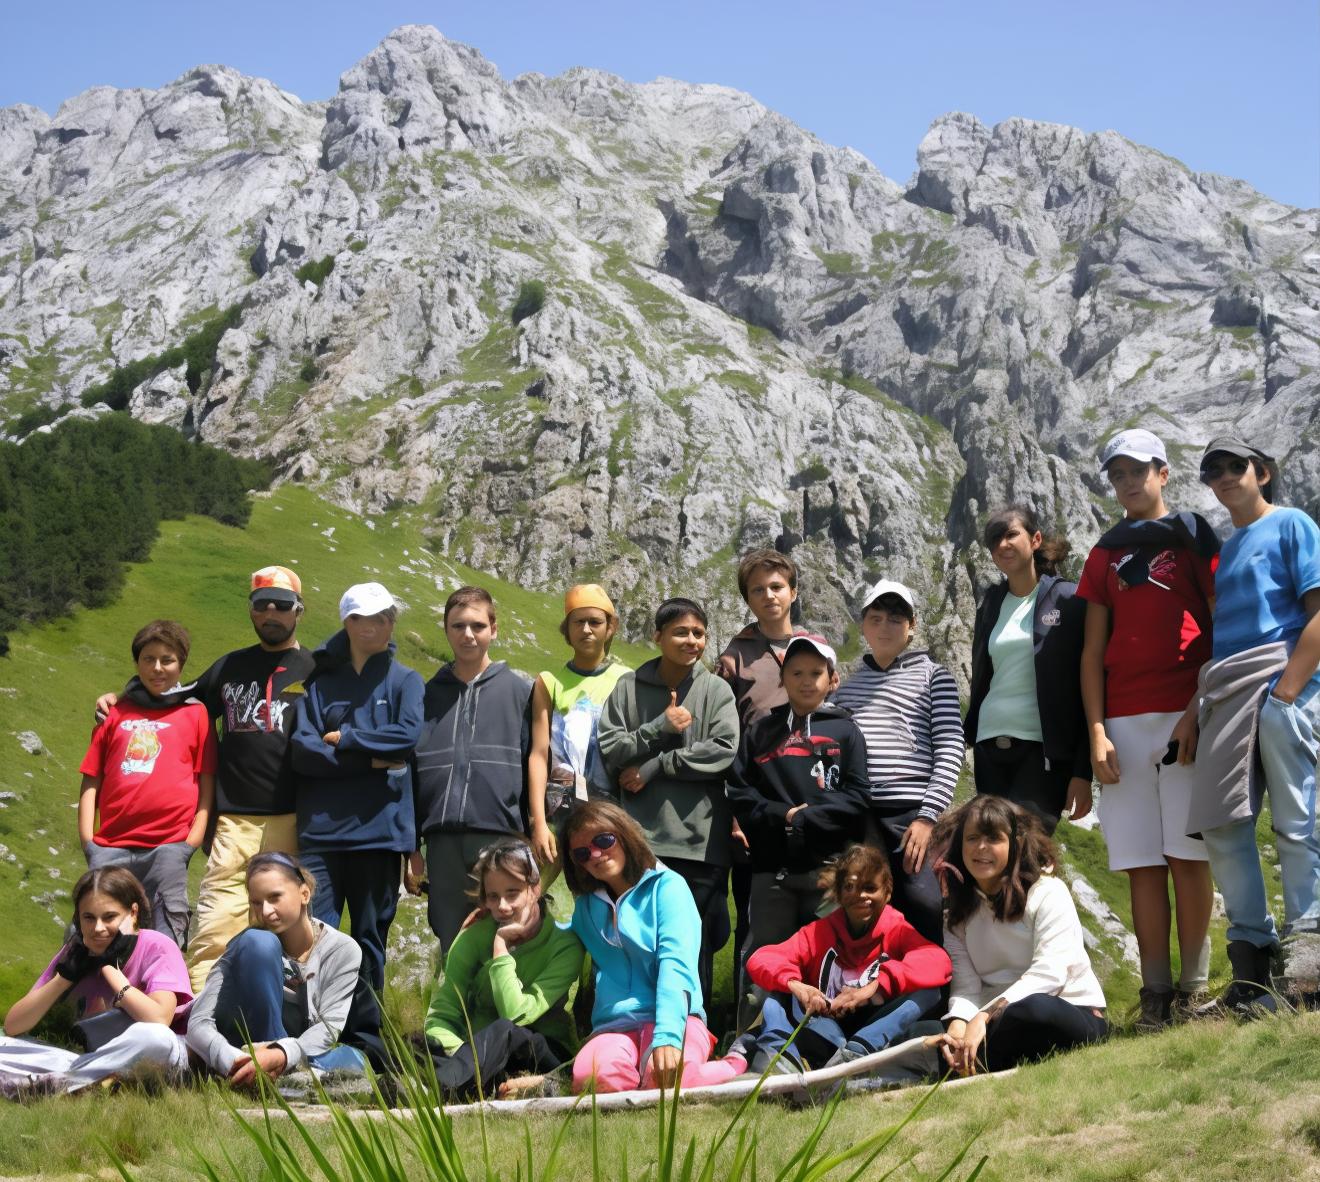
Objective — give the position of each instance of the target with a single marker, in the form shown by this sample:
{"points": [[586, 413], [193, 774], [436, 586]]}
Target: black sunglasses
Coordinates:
{"points": [[1212, 472], [582, 854], [272, 605]]}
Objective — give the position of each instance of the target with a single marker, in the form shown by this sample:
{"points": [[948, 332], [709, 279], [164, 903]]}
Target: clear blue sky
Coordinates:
{"points": [[1225, 87]]}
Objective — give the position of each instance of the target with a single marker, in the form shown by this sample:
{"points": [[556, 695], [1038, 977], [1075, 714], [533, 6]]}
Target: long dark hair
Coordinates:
{"points": [[121, 885], [1030, 854], [1053, 550]]}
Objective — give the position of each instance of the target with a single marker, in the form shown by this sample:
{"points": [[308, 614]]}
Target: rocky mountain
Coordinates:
{"points": [[595, 328]]}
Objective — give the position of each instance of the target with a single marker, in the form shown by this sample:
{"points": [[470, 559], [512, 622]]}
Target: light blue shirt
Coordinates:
{"points": [[644, 947], [1264, 570], [1010, 706]]}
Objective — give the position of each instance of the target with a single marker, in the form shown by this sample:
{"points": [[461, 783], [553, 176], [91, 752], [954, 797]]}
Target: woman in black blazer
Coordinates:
{"points": [[1025, 722]]}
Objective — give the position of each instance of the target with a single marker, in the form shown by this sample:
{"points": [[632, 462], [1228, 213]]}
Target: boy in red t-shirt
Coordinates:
{"points": [[149, 773], [1148, 586]]}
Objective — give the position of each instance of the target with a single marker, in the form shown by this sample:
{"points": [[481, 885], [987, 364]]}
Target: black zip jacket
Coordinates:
{"points": [[784, 761], [1056, 629]]}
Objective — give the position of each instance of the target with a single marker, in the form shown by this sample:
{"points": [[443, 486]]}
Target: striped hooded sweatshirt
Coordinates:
{"points": [[910, 717]]}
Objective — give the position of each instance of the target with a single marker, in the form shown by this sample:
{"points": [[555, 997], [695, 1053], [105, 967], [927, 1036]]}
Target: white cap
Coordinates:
{"points": [[886, 587], [364, 599], [1136, 445], [817, 644]]}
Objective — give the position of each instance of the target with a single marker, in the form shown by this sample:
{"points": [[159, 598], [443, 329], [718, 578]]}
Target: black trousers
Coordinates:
{"points": [[501, 1050], [710, 891], [1018, 773], [367, 882], [917, 896], [1033, 1027]]}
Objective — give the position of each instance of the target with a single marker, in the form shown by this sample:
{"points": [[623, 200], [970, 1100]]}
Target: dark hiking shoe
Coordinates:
{"points": [[1188, 1004], [1248, 994], [1156, 1005]]}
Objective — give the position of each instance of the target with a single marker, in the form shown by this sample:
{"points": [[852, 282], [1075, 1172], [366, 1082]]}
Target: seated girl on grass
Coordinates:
{"points": [[129, 984], [1022, 982], [862, 973], [284, 985], [501, 1002], [641, 928]]}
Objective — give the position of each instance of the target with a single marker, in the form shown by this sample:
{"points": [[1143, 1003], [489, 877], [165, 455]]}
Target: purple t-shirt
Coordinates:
{"points": [[155, 966]]}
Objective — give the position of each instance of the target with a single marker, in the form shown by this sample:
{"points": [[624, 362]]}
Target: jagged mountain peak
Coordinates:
{"points": [[622, 330]]}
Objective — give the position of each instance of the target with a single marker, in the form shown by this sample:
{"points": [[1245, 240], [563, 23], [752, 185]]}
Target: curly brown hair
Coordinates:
{"points": [[865, 861], [1030, 854], [637, 855]]}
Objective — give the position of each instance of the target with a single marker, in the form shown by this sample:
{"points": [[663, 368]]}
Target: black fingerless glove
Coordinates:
{"points": [[76, 963], [121, 948]]}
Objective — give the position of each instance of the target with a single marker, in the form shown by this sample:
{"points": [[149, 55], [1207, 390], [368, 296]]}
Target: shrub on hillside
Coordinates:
{"points": [[79, 502], [531, 299]]}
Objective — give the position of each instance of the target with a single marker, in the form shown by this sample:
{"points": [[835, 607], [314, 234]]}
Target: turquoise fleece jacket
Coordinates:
{"points": [[644, 946]]}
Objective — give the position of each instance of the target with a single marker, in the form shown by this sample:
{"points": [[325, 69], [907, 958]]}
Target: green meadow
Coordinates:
{"points": [[1213, 1101]]}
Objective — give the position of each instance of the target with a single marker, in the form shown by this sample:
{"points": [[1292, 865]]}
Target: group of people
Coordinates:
{"points": [[1178, 673]]}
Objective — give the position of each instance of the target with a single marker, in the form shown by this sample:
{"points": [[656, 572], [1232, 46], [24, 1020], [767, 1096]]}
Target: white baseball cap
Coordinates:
{"points": [[817, 644], [885, 587], [1136, 444], [364, 599]]}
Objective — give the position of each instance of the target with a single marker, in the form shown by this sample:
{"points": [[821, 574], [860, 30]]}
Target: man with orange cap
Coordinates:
{"points": [[252, 692]]}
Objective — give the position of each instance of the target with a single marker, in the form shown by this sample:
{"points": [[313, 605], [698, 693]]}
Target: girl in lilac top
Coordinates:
{"points": [[130, 987]]}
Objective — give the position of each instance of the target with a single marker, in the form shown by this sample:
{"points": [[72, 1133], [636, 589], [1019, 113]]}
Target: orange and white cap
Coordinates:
{"points": [[276, 583]]}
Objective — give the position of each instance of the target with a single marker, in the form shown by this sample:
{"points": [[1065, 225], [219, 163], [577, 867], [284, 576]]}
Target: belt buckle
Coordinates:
{"points": [[1003, 742]]}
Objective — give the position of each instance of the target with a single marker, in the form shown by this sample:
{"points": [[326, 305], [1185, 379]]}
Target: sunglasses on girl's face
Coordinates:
{"points": [[582, 854], [1212, 472]]}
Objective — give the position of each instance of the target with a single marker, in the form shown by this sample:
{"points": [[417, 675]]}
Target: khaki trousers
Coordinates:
{"points": [[222, 900]]}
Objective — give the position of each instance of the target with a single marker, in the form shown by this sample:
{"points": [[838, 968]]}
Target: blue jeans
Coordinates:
{"points": [[1289, 746], [251, 1001], [866, 1029]]}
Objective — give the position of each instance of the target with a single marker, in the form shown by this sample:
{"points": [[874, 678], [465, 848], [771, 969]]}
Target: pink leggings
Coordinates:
{"points": [[614, 1059]]}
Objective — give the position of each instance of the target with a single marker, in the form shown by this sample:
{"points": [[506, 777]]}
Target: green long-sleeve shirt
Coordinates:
{"points": [[681, 808], [528, 986]]}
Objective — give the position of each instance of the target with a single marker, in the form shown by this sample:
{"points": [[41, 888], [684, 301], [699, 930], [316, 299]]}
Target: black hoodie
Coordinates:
{"points": [[784, 761]]}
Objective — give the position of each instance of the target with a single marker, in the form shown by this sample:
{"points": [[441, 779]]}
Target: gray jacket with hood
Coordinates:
{"points": [[471, 761]]}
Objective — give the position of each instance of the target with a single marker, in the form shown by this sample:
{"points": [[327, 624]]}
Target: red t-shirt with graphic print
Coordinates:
{"points": [[149, 761], [1159, 629]]}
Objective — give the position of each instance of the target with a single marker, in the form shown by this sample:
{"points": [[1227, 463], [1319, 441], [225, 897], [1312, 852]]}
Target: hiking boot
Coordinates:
{"points": [[1156, 1004], [1188, 1004], [1248, 994]]}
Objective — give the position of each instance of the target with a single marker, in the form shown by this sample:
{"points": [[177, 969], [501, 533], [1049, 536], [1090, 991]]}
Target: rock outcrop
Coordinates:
{"points": [[593, 328]]}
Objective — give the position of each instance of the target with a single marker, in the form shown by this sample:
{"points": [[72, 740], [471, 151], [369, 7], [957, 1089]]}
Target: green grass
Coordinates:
{"points": [[197, 574], [1212, 1101]]}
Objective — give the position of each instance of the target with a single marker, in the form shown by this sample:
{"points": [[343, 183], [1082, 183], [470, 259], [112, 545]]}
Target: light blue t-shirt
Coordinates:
{"points": [[1010, 706], [1264, 570]]}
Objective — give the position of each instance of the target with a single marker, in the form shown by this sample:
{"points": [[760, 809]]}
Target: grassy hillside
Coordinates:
{"points": [[198, 574], [1213, 1102]]}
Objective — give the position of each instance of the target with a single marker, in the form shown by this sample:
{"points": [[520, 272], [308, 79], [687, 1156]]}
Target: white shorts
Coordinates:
{"points": [[1144, 815]]}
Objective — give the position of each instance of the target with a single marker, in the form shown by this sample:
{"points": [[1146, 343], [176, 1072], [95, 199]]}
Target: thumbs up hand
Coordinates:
{"points": [[677, 718]]}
